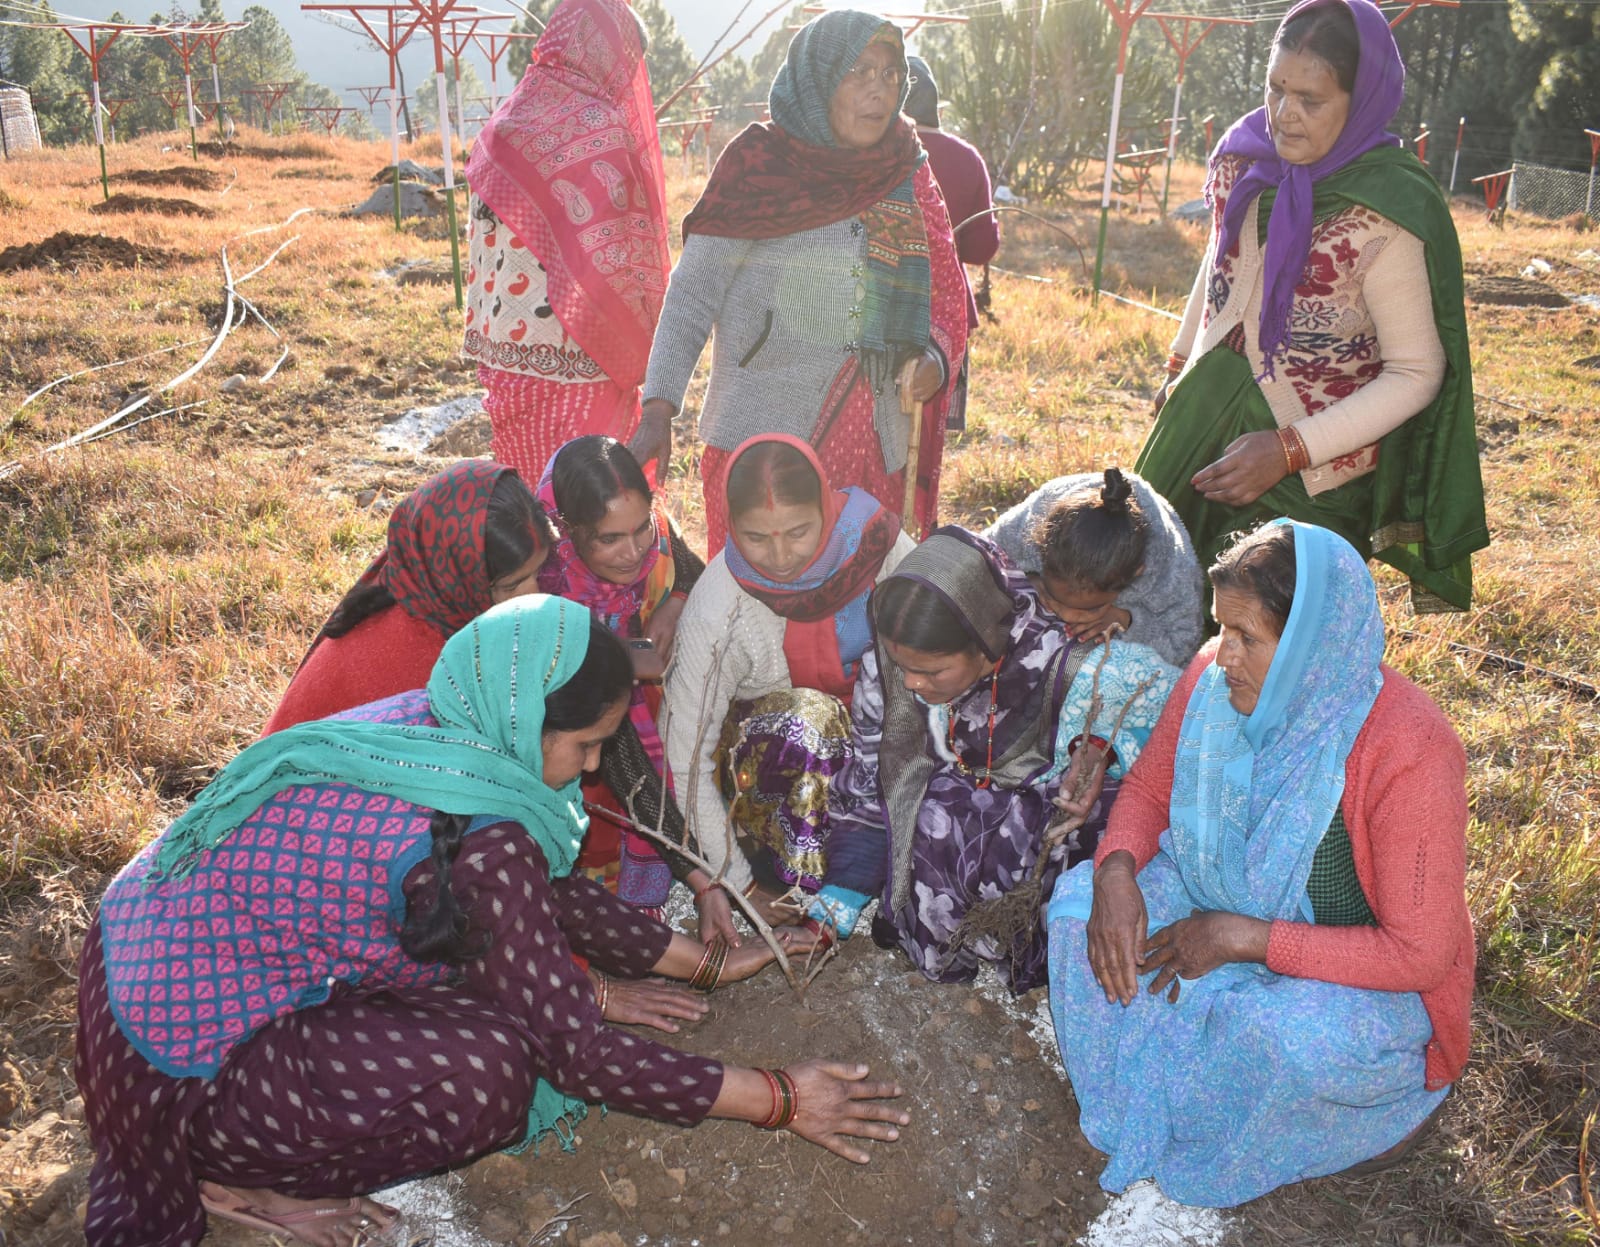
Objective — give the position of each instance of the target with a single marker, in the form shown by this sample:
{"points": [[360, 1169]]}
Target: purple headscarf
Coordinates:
{"points": [[1379, 88]]}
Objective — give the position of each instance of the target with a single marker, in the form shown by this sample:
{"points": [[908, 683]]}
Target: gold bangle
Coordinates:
{"points": [[1288, 457]]}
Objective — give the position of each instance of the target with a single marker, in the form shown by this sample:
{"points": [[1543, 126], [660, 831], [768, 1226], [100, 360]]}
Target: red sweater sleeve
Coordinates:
{"points": [[388, 653], [1142, 808], [1405, 806]]}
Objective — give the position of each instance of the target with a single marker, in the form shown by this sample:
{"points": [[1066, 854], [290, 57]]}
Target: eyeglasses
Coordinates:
{"points": [[864, 75]]}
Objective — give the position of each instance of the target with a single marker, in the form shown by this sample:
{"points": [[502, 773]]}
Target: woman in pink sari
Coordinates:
{"points": [[568, 249]]}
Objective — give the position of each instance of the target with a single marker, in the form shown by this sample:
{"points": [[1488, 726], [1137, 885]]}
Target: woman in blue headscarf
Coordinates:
{"points": [[1321, 370], [350, 963], [1266, 973], [820, 255]]}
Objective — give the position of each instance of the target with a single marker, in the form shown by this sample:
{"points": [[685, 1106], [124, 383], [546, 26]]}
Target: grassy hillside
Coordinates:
{"points": [[158, 587]]}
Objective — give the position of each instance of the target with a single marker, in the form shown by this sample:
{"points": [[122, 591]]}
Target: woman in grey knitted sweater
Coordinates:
{"points": [[821, 260]]}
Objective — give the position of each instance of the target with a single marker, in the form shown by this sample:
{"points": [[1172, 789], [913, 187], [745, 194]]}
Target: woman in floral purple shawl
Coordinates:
{"points": [[955, 761]]}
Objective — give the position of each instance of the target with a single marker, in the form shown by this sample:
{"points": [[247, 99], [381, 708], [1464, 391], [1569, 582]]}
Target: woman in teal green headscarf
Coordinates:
{"points": [[1322, 370], [352, 961]]}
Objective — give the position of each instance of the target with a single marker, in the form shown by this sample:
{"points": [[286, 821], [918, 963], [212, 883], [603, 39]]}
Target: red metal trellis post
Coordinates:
{"points": [[459, 32], [396, 33], [1420, 143], [186, 41], [433, 15], [1413, 5], [92, 48], [1124, 18], [494, 47], [329, 115], [1184, 40], [1494, 185]]}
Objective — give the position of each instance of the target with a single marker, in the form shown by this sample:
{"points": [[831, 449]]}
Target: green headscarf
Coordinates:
{"points": [[485, 758]]}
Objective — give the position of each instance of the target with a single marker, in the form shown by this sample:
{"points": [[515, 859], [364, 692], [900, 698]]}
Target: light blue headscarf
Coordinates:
{"points": [[485, 758], [1252, 795]]}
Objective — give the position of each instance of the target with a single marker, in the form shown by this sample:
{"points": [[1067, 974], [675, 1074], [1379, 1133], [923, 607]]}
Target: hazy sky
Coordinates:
{"points": [[337, 59]]}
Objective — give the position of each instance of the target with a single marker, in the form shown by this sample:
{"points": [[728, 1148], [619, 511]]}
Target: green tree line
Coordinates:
{"points": [[1029, 83]]}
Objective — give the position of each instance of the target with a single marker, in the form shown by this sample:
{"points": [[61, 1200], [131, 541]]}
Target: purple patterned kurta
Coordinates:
{"points": [[972, 842], [384, 1081]]}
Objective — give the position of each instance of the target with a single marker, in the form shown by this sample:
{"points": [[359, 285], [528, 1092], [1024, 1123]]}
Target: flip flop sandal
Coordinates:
{"points": [[1401, 1151], [232, 1208]]}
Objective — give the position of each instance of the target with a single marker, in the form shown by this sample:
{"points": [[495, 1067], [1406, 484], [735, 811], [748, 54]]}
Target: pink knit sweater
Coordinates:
{"points": [[1405, 806]]}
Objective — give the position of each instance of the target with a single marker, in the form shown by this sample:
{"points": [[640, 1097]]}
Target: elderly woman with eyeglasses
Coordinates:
{"points": [[820, 258]]}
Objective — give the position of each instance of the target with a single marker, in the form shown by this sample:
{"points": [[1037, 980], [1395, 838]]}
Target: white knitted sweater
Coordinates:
{"points": [[729, 647]]}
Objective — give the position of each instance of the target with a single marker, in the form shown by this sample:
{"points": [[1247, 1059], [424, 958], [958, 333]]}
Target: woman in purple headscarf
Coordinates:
{"points": [[1321, 371]]}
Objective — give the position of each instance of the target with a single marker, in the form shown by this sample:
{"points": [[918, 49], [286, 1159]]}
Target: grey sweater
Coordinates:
{"points": [[786, 312], [1164, 601]]}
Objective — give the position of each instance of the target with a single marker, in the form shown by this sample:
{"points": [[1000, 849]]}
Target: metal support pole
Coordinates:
{"points": [[1105, 186], [99, 135], [188, 95], [1172, 143], [461, 113], [1455, 161], [394, 151], [449, 187]]}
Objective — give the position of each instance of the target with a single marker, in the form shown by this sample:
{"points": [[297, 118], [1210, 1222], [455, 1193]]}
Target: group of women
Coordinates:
{"points": [[394, 933]]}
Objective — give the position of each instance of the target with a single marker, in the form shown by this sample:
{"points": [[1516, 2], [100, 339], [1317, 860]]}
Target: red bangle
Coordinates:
{"points": [[1175, 363], [1295, 454], [700, 893], [1103, 744], [770, 1121], [824, 936]]}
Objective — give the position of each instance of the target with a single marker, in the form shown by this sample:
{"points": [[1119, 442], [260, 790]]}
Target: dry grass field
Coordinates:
{"points": [[157, 587]]}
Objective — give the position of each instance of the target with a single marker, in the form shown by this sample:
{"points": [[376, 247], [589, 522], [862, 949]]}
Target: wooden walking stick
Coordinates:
{"points": [[913, 408]]}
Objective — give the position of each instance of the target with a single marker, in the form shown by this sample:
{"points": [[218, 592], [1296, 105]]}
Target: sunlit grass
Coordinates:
{"points": [[157, 590]]}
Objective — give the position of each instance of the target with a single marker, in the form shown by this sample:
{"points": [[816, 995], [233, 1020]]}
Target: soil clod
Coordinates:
{"points": [[186, 176], [74, 251], [124, 202]]}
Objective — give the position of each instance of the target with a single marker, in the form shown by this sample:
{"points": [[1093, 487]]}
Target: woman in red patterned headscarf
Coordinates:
{"points": [[470, 537], [568, 249]]}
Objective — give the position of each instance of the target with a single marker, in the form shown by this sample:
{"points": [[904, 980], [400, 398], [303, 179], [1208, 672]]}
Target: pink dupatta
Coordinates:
{"points": [[571, 163]]}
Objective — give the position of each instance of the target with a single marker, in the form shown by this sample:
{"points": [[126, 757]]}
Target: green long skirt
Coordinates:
{"points": [[1218, 401]]}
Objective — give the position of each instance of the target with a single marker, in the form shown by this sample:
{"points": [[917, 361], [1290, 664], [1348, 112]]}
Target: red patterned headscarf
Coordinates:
{"points": [[572, 164], [434, 563]]}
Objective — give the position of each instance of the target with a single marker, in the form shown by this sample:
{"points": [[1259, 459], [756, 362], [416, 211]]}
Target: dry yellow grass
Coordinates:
{"points": [[157, 589]]}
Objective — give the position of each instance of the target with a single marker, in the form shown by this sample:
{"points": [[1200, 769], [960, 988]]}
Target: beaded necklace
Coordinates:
{"points": [[985, 776]]}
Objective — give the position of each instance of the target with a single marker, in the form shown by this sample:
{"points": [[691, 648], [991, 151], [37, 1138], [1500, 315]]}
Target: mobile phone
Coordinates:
{"points": [[641, 642]]}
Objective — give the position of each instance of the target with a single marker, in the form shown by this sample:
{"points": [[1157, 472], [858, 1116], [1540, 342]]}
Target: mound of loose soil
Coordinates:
{"points": [[123, 202], [1514, 292], [1588, 361], [219, 150], [75, 251], [186, 176], [993, 1154]]}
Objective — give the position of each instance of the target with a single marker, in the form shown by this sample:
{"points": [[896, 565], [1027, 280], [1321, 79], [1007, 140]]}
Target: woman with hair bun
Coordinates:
{"points": [[975, 719], [1069, 552]]}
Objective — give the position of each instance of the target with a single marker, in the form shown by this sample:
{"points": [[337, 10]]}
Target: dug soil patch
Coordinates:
{"points": [[186, 176], [992, 1154], [1514, 292], [123, 202], [74, 251]]}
